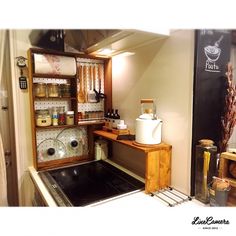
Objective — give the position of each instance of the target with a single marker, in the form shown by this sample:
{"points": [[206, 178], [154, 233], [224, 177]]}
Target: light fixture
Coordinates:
{"points": [[105, 51], [125, 54]]}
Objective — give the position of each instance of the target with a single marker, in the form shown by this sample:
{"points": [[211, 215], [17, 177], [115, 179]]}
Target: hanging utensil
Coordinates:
{"points": [[101, 95], [91, 93], [97, 97], [81, 97], [85, 83]]}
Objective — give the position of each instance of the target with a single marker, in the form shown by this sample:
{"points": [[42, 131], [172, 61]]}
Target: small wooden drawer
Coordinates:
{"points": [[227, 160]]}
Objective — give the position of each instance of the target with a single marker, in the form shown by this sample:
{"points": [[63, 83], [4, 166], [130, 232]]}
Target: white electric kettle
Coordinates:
{"points": [[148, 126]]}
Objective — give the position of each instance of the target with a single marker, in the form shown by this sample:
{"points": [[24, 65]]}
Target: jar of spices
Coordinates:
{"points": [[70, 117], [53, 90], [61, 116], [54, 117], [40, 90], [65, 90], [43, 118]]}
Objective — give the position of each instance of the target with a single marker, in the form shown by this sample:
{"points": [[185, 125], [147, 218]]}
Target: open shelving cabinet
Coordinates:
{"points": [[72, 103]]}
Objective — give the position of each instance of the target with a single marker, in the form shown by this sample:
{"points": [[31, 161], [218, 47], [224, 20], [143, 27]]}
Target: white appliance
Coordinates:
{"points": [[148, 127]]}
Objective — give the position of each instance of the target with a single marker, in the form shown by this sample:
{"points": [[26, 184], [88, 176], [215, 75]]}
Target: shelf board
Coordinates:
{"points": [[62, 162], [53, 98], [91, 122], [52, 76], [130, 143], [55, 127]]}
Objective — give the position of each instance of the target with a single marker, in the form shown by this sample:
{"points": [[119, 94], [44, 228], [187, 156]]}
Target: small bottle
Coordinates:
{"points": [[107, 118], [61, 116], [115, 119], [70, 117], [107, 115], [54, 117], [112, 120], [116, 115], [112, 114]]}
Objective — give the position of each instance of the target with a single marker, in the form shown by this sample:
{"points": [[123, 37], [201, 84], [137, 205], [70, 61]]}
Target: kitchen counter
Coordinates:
{"points": [[39, 185], [129, 200]]}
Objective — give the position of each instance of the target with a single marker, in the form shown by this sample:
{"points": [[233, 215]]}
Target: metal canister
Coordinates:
{"points": [[206, 168]]}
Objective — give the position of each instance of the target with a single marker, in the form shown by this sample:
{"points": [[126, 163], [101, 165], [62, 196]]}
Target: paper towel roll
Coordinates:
{"points": [[54, 64]]}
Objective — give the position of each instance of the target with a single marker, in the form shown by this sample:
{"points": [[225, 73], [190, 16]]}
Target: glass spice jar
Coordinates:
{"points": [[65, 90], [61, 116], [70, 117], [43, 118], [53, 90], [54, 116], [40, 90]]}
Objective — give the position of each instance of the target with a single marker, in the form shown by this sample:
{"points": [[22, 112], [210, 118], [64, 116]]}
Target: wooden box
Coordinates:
{"points": [[226, 160]]}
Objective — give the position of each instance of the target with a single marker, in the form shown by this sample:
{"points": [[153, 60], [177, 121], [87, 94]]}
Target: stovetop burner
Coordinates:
{"points": [[88, 183]]}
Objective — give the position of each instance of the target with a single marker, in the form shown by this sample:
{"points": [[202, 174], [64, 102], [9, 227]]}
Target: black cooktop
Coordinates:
{"points": [[88, 183]]}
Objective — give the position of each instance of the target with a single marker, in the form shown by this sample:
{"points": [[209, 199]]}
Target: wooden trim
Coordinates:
{"points": [[37, 75], [69, 54], [62, 162], [50, 51], [108, 83], [228, 155], [32, 112]]}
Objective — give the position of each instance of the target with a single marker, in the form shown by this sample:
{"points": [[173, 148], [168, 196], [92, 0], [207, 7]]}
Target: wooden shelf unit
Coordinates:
{"points": [[71, 100], [158, 161], [225, 159]]}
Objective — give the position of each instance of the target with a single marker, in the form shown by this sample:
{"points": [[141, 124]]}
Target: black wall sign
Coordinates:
{"points": [[212, 53]]}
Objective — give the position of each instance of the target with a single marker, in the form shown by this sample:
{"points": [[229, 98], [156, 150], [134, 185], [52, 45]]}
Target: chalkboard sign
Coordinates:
{"points": [[212, 53]]}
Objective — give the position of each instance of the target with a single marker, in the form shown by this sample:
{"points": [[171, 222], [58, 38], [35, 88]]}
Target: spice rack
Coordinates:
{"points": [[70, 103]]}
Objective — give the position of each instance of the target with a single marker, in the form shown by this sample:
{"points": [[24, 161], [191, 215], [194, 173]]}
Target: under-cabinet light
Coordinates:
{"points": [[125, 54], [105, 51]]}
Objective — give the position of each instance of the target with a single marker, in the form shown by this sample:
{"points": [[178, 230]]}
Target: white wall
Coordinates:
{"points": [[164, 71], [19, 44]]}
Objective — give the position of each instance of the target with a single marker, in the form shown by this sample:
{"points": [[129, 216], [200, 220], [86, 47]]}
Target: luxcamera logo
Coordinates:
{"points": [[209, 222]]}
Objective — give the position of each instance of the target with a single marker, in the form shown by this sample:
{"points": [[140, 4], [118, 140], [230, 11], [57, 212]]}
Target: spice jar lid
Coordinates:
{"points": [[70, 112], [206, 142], [42, 112]]}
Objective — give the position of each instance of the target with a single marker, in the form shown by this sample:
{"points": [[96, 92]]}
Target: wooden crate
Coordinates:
{"points": [[225, 159]]}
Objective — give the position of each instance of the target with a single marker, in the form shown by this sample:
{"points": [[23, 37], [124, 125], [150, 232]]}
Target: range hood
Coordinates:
{"points": [[93, 41]]}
